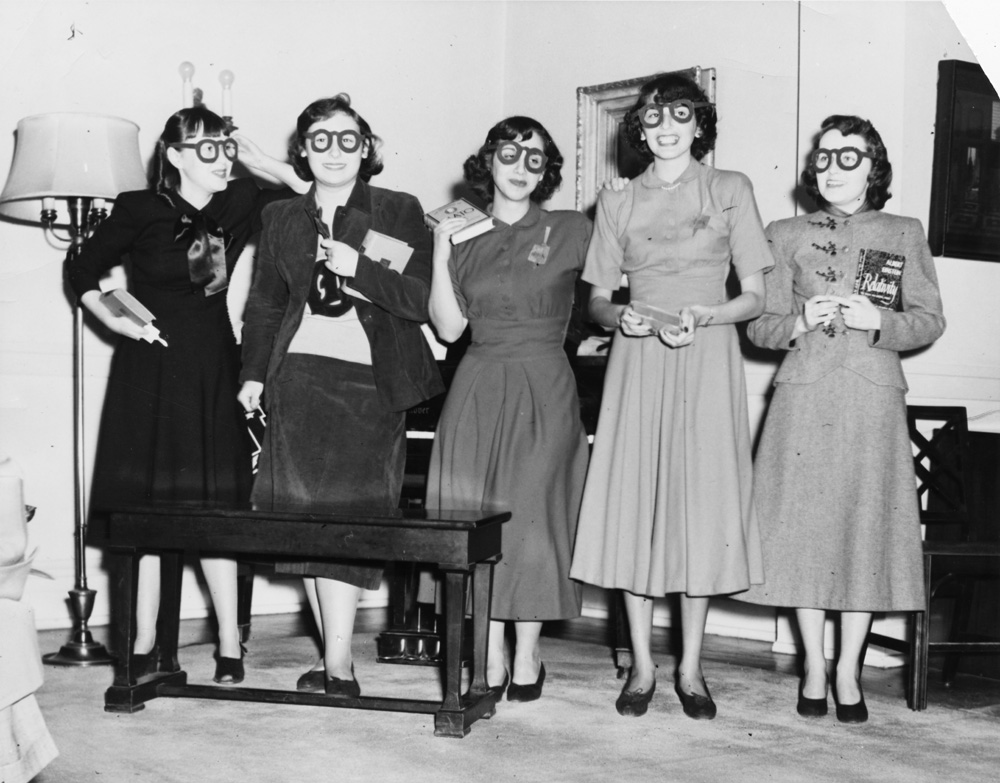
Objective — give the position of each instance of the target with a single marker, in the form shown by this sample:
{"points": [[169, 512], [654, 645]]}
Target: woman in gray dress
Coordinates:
{"points": [[833, 478], [510, 432]]}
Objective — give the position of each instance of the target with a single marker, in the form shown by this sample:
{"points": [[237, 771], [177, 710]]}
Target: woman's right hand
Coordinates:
{"points": [[249, 395], [631, 324], [442, 238], [616, 184], [118, 324], [818, 311]]}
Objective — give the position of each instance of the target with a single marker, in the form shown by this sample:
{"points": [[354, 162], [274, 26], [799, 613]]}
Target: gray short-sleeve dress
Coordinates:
{"points": [[510, 433], [668, 505]]}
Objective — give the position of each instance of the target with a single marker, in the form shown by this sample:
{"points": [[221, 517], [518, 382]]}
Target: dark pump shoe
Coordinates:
{"points": [[853, 713], [498, 690], [312, 680], [531, 692], [633, 704], [229, 671], [695, 706], [345, 689], [811, 708]]}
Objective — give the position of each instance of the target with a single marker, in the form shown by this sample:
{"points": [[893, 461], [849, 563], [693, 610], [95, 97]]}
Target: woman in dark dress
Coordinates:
{"points": [[833, 477], [332, 340], [171, 428], [510, 432]]}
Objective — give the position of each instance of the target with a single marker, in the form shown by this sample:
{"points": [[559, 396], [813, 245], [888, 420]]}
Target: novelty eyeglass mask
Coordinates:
{"points": [[207, 150]]}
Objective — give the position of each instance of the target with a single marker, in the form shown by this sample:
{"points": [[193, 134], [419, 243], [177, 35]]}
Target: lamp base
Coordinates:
{"points": [[81, 650]]}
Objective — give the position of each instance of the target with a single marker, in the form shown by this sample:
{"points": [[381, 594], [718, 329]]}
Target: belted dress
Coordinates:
{"points": [[510, 433]]}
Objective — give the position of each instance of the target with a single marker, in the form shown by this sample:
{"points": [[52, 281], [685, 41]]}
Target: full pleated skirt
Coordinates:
{"points": [[510, 436], [835, 490], [329, 440], [668, 505]]}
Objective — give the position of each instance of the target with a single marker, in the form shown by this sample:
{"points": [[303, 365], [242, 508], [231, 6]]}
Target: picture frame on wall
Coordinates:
{"points": [[965, 188], [601, 150]]}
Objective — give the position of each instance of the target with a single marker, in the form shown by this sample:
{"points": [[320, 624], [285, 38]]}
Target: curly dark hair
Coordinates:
{"points": [[879, 178], [184, 124], [662, 90], [323, 109], [477, 167]]}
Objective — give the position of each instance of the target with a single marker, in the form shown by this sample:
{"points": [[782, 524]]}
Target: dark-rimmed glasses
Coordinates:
{"points": [[321, 140], [207, 150], [508, 153], [651, 115], [848, 158]]}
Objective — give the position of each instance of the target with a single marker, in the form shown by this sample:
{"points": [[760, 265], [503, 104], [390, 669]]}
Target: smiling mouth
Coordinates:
{"points": [[519, 182], [667, 140]]}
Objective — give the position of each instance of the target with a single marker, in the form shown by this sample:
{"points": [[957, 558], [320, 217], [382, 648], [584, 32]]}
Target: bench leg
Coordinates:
{"points": [[244, 599], [126, 694]]}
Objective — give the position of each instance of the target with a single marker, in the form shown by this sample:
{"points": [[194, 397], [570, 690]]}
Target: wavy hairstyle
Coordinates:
{"points": [[182, 125], [323, 109], [879, 178], [662, 90], [477, 167]]}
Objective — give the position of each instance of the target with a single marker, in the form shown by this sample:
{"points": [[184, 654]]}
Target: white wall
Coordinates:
{"points": [[428, 76], [432, 77]]}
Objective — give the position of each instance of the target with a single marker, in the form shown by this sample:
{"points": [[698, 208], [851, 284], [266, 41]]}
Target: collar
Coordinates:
{"points": [[837, 212], [653, 182], [530, 218], [178, 202], [360, 199]]}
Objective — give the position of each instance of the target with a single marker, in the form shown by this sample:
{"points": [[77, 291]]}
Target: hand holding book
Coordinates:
{"points": [[130, 317]]}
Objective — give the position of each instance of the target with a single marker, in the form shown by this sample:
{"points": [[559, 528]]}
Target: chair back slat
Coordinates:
{"points": [[940, 458]]}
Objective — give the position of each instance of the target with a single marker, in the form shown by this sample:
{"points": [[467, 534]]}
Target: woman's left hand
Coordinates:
{"points": [[858, 312], [341, 259], [250, 154], [691, 318]]}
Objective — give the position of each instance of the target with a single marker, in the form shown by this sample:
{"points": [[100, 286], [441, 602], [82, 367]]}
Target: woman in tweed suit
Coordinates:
{"points": [[833, 478]]}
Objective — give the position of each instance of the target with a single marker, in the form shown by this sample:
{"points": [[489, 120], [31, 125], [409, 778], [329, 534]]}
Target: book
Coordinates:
{"points": [[880, 278], [387, 251], [655, 317], [476, 221], [123, 305]]}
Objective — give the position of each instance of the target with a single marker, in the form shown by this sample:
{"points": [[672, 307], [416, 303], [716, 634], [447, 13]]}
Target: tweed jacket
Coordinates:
{"points": [[819, 254], [403, 365]]}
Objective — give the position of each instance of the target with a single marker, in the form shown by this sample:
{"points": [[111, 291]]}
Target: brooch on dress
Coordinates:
{"points": [[540, 253]]}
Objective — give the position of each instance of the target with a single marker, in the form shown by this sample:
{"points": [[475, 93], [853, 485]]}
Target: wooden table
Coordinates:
{"points": [[460, 543]]}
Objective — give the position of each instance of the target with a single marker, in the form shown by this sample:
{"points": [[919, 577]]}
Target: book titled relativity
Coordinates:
{"points": [[384, 250], [880, 278]]}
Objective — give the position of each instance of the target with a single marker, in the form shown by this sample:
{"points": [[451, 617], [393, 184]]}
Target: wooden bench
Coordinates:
{"points": [[461, 544]]}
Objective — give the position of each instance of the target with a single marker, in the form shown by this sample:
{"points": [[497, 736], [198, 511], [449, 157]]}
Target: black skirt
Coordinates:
{"points": [[172, 429], [329, 440]]}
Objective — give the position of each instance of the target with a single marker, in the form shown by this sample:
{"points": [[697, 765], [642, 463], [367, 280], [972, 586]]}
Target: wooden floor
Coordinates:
{"points": [[967, 692]]}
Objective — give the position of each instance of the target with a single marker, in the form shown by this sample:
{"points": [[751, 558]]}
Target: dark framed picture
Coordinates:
{"points": [[965, 190]]}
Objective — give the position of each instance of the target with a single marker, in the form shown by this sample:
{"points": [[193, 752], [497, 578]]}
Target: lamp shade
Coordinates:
{"points": [[66, 155]]}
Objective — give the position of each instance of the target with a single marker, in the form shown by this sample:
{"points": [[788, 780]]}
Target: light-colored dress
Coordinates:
{"points": [[833, 478], [668, 505], [510, 433]]}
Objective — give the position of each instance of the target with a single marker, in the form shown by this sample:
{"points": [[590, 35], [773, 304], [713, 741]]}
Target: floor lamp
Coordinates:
{"points": [[66, 168]]}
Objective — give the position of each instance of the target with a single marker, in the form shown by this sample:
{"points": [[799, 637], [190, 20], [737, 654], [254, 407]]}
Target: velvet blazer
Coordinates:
{"points": [[403, 365]]}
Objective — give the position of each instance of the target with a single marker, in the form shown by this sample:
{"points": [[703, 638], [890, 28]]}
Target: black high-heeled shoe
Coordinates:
{"points": [[312, 680], [530, 692], [144, 664], [230, 671], [852, 713], [498, 690], [811, 708], [633, 704]]}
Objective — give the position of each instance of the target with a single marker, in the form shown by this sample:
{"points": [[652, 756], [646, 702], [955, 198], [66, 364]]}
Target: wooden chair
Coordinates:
{"points": [[961, 550]]}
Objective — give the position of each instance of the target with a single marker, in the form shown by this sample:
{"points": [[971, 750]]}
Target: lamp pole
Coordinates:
{"points": [[81, 649]]}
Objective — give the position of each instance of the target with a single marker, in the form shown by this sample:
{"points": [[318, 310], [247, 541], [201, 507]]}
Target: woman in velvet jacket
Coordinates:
{"points": [[332, 341]]}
